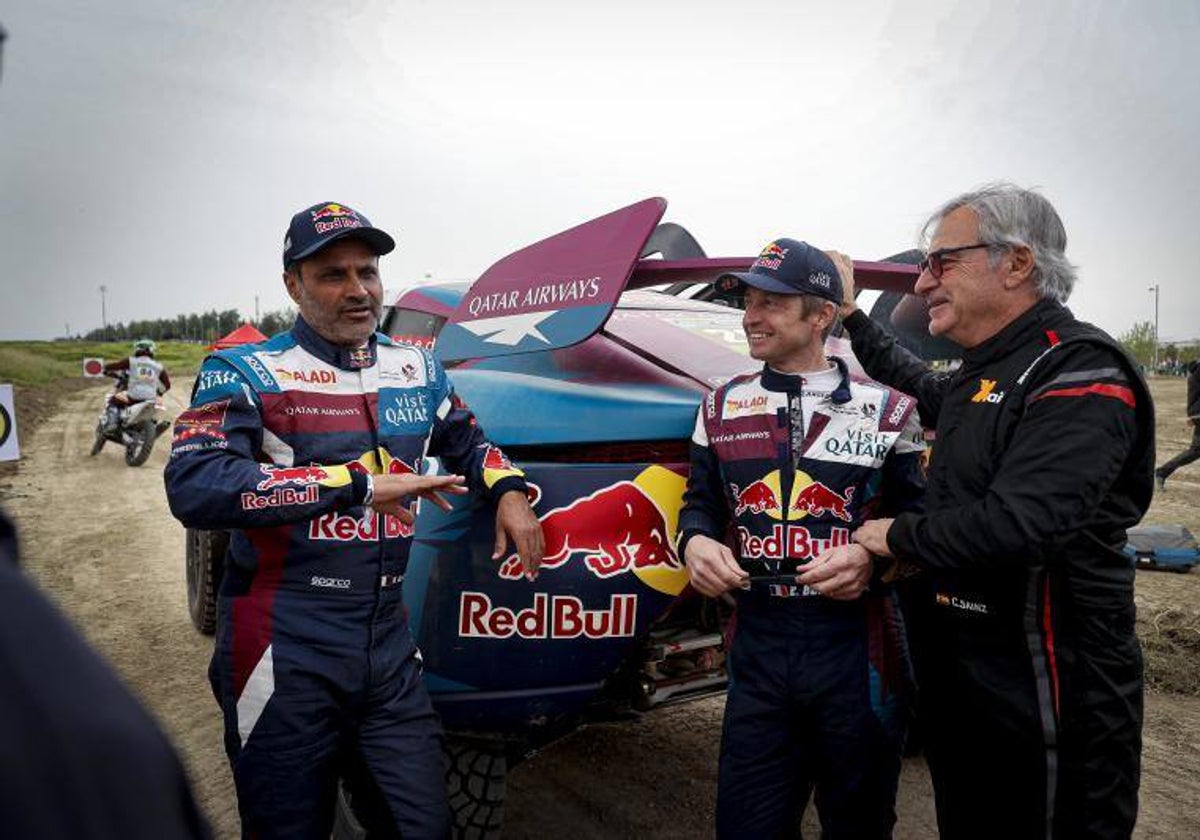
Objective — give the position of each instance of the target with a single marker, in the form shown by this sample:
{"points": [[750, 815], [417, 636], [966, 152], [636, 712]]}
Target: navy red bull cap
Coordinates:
{"points": [[325, 223], [789, 267]]}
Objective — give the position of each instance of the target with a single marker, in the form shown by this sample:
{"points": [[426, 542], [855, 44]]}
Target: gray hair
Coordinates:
{"points": [[1010, 215]]}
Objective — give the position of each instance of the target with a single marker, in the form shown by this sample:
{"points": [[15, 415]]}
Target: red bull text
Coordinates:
{"points": [[281, 497], [550, 617], [793, 541]]}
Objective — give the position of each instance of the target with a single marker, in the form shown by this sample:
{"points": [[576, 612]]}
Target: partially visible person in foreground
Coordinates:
{"points": [[794, 457], [79, 756], [1029, 671]]}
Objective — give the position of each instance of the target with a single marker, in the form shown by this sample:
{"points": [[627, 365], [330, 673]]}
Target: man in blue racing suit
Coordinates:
{"points": [[310, 446], [794, 457]]}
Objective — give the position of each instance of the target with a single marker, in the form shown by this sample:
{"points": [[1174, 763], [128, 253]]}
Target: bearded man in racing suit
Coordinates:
{"points": [[311, 447], [795, 457], [1023, 626]]}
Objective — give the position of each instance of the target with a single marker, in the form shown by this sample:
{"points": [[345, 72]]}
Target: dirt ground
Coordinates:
{"points": [[99, 539]]}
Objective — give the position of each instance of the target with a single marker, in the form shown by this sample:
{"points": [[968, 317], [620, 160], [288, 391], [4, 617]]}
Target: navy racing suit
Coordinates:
{"points": [[817, 692], [315, 667]]}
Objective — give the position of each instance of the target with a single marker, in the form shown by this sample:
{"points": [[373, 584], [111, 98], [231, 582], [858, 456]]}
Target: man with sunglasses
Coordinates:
{"points": [[791, 458], [1022, 628]]}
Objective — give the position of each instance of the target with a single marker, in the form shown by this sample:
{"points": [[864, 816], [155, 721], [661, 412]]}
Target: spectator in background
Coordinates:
{"points": [[1192, 453]]}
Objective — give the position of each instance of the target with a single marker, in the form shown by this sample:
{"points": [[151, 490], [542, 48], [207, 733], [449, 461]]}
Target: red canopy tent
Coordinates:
{"points": [[245, 334]]}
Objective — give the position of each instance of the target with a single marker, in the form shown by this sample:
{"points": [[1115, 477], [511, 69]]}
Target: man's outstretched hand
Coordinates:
{"points": [[393, 492]]}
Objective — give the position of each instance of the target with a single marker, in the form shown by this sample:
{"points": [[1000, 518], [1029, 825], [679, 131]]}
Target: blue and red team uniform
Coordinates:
{"points": [[817, 696], [315, 668]]}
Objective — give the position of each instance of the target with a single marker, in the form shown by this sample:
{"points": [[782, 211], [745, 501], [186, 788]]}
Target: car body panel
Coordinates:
{"points": [[554, 293], [598, 414]]}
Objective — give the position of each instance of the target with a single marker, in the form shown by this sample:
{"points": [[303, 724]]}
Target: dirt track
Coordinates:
{"points": [[98, 537]]}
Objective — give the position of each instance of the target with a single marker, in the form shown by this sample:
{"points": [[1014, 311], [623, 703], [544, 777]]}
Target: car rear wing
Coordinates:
{"points": [[561, 291]]}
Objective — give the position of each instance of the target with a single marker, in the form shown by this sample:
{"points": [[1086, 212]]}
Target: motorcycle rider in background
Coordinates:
{"points": [[144, 379]]}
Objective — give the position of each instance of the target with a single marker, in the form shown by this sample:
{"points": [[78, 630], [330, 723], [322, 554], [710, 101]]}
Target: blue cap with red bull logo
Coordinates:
{"points": [[789, 267], [314, 228]]}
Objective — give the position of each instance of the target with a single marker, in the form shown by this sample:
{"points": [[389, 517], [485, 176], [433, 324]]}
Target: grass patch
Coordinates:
{"points": [[43, 362], [1171, 646]]}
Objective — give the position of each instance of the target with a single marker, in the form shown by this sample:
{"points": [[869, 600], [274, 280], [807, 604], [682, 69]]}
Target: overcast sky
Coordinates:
{"points": [[161, 149]]}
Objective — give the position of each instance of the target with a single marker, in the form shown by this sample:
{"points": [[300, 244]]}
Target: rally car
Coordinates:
{"points": [[588, 376]]}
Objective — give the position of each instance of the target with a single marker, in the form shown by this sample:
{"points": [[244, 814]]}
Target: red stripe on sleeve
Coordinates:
{"points": [[1119, 392], [1052, 337]]}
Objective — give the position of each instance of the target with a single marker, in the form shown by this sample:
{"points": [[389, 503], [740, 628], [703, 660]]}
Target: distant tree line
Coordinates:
{"points": [[1139, 341], [205, 327]]}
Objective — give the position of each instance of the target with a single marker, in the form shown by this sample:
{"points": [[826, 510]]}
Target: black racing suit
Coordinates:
{"points": [[1029, 672], [817, 687]]}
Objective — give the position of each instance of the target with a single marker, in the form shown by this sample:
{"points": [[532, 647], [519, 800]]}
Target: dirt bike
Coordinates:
{"points": [[137, 425]]}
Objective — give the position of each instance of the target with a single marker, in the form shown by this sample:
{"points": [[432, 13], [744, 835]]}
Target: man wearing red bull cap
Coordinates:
{"points": [[792, 458], [1029, 668], [310, 447]]}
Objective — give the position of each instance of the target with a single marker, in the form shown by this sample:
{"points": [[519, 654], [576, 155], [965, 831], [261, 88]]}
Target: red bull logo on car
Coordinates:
{"points": [[616, 529], [623, 528], [550, 617], [764, 496]]}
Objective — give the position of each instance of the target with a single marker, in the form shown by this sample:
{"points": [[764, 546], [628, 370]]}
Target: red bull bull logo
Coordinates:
{"points": [[818, 500], [758, 497], [331, 211], [617, 529], [292, 476], [808, 497]]}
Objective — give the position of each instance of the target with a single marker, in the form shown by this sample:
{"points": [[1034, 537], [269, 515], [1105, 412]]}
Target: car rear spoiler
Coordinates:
{"points": [[560, 291]]}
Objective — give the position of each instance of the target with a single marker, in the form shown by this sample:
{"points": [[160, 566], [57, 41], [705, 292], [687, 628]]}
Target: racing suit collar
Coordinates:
{"points": [[346, 358], [773, 380], [1028, 327]]}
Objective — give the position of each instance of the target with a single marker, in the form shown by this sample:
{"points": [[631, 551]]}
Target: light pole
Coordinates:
{"points": [[1154, 289], [104, 312]]}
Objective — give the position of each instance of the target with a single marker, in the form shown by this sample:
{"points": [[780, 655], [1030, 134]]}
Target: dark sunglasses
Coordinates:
{"points": [[934, 261]]}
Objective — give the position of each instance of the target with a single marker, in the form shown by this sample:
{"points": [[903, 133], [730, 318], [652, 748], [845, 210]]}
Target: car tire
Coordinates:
{"points": [[476, 773], [205, 568], [138, 449]]}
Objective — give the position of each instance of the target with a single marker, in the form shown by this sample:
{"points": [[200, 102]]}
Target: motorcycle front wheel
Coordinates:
{"points": [[141, 442], [98, 443]]}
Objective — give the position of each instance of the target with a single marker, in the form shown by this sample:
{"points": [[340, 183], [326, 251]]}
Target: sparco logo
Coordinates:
{"points": [[898, 411], [330, 583]]}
